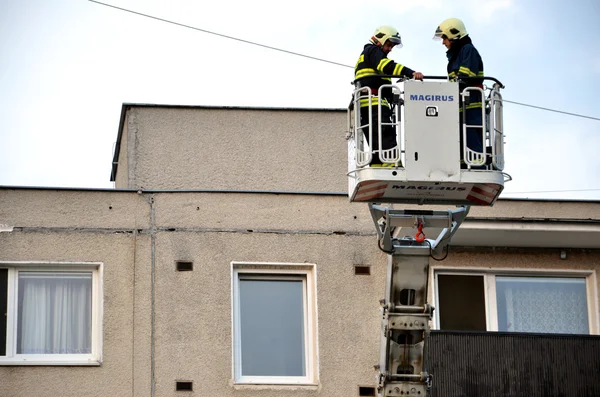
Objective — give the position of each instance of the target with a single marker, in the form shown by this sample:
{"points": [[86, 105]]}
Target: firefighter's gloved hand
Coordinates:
{"points": [[418, 76]]}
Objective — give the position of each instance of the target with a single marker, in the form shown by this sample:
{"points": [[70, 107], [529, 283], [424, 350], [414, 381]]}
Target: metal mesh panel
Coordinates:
{"points": [[496, 364]]}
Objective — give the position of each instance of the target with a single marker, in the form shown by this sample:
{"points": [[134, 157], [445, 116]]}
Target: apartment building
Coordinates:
{"points": [[229, 261]]}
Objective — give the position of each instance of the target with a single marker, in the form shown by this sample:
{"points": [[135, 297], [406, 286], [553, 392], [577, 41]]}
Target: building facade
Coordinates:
{"points": [[228, 261]]}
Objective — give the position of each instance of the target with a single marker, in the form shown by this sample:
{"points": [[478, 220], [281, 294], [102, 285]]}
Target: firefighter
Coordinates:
{"points": [[464, 61], [372, 63]]}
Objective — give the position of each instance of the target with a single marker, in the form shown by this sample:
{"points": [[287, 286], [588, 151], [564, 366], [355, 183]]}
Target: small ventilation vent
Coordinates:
{"points": [[182, 385], [366, 391], [184, 266], [361, 270]]}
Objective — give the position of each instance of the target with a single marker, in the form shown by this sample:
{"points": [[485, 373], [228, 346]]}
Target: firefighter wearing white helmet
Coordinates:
{"points": [[452, 28], [464, 61], [385, 33], [371, 65]]}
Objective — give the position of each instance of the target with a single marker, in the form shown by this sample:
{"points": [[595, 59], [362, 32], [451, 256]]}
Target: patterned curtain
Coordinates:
{"points": [[542, 304]]}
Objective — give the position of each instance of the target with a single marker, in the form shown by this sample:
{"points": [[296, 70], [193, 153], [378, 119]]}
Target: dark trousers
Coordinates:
{"points": [[388, 134]]}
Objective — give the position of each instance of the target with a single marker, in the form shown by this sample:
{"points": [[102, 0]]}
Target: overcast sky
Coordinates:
{"points": [[67, 66]]}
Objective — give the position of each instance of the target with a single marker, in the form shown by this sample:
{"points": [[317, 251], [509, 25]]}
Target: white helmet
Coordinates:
{"points": [[452, 29], [385, 33]]}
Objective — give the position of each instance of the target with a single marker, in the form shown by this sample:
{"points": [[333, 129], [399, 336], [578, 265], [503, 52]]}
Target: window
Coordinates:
{"points": [[515, 302], [53, 313], [274, 323]]}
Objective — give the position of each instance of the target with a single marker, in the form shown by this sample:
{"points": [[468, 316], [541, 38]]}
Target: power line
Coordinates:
{"points": [[302, 55], [222, 35], [552, 110]]}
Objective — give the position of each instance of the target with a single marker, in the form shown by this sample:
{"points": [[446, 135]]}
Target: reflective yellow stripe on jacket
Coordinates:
{"points": [[367, 72], [466, 71]]}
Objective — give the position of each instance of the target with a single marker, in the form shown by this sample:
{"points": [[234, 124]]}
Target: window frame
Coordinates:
{"points": [[92, 359], [277, 271], [489, 278]]}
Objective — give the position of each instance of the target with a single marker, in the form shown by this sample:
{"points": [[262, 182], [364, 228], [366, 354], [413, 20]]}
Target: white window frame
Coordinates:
{"points": [[12, 358], [489, 286], [271, 270]]}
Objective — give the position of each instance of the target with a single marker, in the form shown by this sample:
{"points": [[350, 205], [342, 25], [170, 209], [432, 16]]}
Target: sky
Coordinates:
{"points": [[67, 66]]}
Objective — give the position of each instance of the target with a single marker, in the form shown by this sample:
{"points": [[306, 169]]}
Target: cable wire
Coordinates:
{"points": [[384, 250], [302, 55], [431, 252], [222, 35], [552, 110]]}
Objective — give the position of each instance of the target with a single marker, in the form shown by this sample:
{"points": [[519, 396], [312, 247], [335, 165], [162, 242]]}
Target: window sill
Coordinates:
{"points": [[69, 363], [264, 386]]}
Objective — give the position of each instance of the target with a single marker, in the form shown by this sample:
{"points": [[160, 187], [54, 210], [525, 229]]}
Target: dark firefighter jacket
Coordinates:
{"points": [[371, 64], [464, 61]]}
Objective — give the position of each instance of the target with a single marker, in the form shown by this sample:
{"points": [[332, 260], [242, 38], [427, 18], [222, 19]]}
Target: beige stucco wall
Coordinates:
{"points": [[238, 149], [73, 226], [191, 311]]}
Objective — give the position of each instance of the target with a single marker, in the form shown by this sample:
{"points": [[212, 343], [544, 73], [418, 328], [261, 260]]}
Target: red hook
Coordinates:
{"points": [[420, 236]]}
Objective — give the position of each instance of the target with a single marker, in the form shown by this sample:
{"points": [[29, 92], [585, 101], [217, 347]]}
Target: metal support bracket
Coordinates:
{"points": [[388, 222]]}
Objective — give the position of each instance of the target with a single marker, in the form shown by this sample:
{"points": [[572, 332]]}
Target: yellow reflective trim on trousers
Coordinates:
{"points": [[475, 105], [382, 64], [364, 102], [466, 71], [398, 69], [365, 73]]}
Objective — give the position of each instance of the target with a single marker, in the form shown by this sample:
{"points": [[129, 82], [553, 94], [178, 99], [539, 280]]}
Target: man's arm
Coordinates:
{"points": [[384, 65], [469, 63]]}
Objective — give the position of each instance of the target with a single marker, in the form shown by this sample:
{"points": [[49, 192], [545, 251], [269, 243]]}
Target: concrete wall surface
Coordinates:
{"points": [[161, 325], [233, 149]]}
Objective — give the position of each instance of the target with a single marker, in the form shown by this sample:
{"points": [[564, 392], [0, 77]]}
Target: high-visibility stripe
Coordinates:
{"points": [[383, 63], [370, 198], [467, 71], [464, 70], [365, 73], [474, 105], [484, 191], [477, 200], [361, 58], [398, 69], [364, 102], [375, 191], [483, 194], [372, 188]]}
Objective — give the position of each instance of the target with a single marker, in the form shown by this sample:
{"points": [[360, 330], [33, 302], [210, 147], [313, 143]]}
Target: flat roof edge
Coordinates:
{"points": [[283, 192], [212, 107], [127, 105]]}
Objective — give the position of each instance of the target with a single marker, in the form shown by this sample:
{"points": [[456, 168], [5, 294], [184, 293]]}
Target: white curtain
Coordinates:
{"points": [[54, 313], [542, 304]]}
